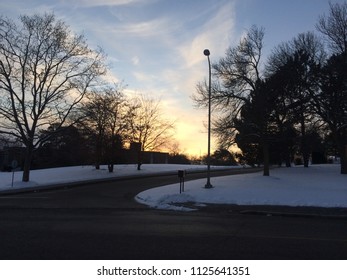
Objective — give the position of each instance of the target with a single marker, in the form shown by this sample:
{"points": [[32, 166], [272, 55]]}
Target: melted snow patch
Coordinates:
{"points": [[168, 202]]}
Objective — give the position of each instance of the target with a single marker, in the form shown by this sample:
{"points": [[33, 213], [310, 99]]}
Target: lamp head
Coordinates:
{"points": [[206, 52]]}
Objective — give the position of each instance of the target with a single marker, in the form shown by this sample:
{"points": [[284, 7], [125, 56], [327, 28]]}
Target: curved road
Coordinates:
{"points": [[112, 193], [102, 221]]}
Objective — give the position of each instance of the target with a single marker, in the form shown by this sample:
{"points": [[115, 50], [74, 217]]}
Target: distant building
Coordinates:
{"points": [[134, 154], [155, 157]]}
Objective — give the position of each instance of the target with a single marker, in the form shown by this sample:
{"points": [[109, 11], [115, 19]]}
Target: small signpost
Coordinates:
{"points": [[14, 165], [181, 175]]}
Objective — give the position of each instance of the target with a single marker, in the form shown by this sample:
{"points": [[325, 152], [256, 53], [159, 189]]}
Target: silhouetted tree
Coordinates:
{"points": [[255, 123], [239, 89], [223, 157], [331, 103], [294, 69], [147, 124], [104, 120], [66, 147], [45, 71], [334, 27], [178, 158]]}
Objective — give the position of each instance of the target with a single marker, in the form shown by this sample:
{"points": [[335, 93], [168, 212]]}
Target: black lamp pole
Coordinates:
{"points": [[208, 183]]}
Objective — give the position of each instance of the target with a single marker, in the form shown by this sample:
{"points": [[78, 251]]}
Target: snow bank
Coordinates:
{"points": [[318, 185]]}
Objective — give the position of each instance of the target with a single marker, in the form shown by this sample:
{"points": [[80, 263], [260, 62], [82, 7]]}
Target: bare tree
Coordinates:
{"points": [[334, 27], [147, 124], [45, 71], [238, 79], [104, 119], [236, 76], [331, 103]]}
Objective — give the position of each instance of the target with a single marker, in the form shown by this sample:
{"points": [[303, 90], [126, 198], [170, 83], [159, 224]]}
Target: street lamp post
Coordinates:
{"points": [[208, 183]]}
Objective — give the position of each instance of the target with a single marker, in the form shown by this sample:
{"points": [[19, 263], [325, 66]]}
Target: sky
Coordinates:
{"points": [[155, 47]]}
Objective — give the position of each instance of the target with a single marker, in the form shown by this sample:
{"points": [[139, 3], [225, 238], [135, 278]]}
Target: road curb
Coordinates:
{"points": [[291, 214]]}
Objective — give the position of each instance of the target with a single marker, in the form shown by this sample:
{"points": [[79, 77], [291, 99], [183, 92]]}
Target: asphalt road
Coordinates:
{"points": [[102, 221]]}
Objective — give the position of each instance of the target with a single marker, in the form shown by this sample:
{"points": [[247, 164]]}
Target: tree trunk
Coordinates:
{"points": [[98, 156], [266, 155], [343, 157], [288, 164], [110, 167], [287, 156], [304, 145], [139, 160], [306, 159], [27, 163]]}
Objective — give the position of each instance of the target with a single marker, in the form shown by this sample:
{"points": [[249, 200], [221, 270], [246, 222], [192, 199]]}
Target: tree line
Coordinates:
{"points": [[105, 123], [291, 103], [52, 93]]}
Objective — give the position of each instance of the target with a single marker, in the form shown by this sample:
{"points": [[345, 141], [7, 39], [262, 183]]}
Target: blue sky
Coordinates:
{"points": [[156, 46]]}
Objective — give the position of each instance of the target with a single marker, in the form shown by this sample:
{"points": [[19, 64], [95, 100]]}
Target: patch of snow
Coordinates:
{"points": [[318, 185]]}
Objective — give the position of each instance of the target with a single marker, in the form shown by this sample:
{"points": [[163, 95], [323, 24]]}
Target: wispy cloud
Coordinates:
{"points": [[143, 77], [215, 35], [155, 27], [187, 64], [135, 60], [94, 3]]}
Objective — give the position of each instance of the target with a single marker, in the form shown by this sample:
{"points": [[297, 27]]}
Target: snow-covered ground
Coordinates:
{"points": [[54, 176], [318, 185]]}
